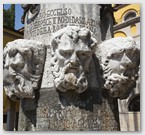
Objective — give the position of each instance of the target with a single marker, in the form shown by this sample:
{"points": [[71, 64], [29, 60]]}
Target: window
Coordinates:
{"points": [[129, 15], [4, 118], [134, 104], [120, 34]]}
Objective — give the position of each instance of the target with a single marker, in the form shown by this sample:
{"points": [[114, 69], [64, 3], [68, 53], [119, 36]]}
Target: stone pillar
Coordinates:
{"points": [[11, 115], [57, 110]]}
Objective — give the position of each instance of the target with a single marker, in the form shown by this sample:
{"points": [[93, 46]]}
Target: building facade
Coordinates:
{"points": [[10, 108], [127, 18]]}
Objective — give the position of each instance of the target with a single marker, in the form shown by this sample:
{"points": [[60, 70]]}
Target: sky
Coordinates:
{"points": [[18, 14]]}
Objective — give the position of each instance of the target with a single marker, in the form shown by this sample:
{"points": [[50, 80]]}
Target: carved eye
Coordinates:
{"points": [[17, 81], [84, 54], [13, 53], [117, 56], [17, 62], [65, 53], [106, 61]]}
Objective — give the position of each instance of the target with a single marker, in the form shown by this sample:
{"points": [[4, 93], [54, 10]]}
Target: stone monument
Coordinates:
{"points": [[68, 72]]}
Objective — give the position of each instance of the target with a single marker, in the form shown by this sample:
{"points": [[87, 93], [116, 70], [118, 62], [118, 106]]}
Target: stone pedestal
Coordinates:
{"points": [[53, 110], [60, 114]]}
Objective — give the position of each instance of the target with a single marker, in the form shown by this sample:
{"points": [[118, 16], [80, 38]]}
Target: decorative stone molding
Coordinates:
{"points": [[32, 10], [23, 67], [119, 58], [72, 49]]}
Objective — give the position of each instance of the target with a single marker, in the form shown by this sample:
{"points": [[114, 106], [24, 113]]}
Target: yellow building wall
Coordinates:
{"points": [[8, 36], [119, 18], [118, 15], [133, 29], [7, 39], [6, 105], [129, 121], [119, 34]]}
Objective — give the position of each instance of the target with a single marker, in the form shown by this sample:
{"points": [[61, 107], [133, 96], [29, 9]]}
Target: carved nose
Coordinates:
{"points": [[125, 61], [17, 61], [74, 60], [6, 62], [8, 77], [6, 65], [12, 72]]}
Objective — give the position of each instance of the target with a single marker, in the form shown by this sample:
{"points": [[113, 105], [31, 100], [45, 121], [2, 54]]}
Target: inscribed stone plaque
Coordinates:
{"points": [[53, 17]]}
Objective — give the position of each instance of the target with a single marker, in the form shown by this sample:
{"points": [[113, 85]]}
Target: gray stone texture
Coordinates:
{"points": [[69, 112]]}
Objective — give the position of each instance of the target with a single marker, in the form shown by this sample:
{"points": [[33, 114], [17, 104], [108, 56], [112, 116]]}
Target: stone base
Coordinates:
{"points": [[80, 112]]}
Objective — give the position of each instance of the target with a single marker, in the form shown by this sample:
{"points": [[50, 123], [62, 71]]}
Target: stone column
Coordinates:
{"points": [[11, 115], [56, 110]]}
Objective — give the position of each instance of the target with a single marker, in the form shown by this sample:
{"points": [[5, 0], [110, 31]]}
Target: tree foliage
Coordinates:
{"points": [[9, 17]]}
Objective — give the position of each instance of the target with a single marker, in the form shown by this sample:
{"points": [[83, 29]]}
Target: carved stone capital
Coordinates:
{"points": [[32, 9]]}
